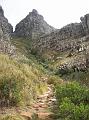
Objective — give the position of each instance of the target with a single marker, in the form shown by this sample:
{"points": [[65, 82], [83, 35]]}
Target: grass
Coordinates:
{"points": [[24, 77], [23, 45], [20, 82], [11, 117]]}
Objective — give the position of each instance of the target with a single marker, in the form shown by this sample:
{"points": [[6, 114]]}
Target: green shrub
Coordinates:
{"points": [[53, 79], [74, 91], [73, 112], [10, 91], [33, 52], [63, 71], [73, 101]]}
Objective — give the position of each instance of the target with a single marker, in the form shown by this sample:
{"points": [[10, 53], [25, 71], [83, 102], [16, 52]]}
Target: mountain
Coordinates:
{"points": [[33, 26], [49, 73]]}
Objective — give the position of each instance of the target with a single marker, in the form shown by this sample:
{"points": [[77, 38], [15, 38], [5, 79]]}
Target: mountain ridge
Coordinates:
{"points": [[32, 26]]}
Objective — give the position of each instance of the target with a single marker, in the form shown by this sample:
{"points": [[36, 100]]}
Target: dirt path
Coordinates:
{"points": [[42, 107]]}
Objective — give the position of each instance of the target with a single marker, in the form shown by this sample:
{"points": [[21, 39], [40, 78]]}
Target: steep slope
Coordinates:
{"points": [[33, 26], [29, 80]]}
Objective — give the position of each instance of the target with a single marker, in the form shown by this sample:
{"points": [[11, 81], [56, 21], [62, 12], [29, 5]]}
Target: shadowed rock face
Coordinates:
{"points": [[33, 26]]}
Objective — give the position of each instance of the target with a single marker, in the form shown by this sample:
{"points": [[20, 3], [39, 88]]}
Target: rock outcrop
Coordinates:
{"points": [[66, 38], [5, 33], [33, 26], [85, 23], [71, 38], [63, 39]]}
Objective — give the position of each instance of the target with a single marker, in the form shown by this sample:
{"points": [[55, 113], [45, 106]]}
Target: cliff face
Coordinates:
{"points": [[66, 38], [46, 37], [62, 39], [33, 26], [5, 33], [72, 39]]}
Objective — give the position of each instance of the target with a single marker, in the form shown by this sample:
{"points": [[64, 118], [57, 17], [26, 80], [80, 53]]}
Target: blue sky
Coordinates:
{"points": [[57, 13]]}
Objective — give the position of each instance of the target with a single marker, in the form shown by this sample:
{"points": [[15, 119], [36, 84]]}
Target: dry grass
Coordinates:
{"points": [[18, 79]]}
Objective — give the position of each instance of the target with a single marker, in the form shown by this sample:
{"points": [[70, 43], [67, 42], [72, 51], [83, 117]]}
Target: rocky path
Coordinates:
{"points": [[42, 107]]}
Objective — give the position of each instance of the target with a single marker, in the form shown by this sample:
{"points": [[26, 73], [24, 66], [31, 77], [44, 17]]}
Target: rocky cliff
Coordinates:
{"points": [[72, 39], [33, 26], [66, 38], [61, 39], [6, 30]]}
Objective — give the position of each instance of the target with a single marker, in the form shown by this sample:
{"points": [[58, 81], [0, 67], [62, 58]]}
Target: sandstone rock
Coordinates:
{"points": [[33, 26]]}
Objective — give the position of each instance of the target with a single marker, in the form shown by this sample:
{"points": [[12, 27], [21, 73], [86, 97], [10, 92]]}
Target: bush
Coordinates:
{"points": [[73, 99], [73, 112], [63, 71], [53, 79], [10, 91], [74, 91]]}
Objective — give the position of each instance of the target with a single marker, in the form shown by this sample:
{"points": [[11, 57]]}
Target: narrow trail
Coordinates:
{"points": [[42, 107]]}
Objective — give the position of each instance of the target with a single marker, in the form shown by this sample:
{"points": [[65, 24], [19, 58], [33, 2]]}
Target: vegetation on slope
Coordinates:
{"points": [[11, 117], [72, 101], [20, 81]]}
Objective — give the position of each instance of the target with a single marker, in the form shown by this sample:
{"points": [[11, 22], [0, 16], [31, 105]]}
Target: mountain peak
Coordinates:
{"points": [[34, 11], [1, 11], [33, 26]]}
